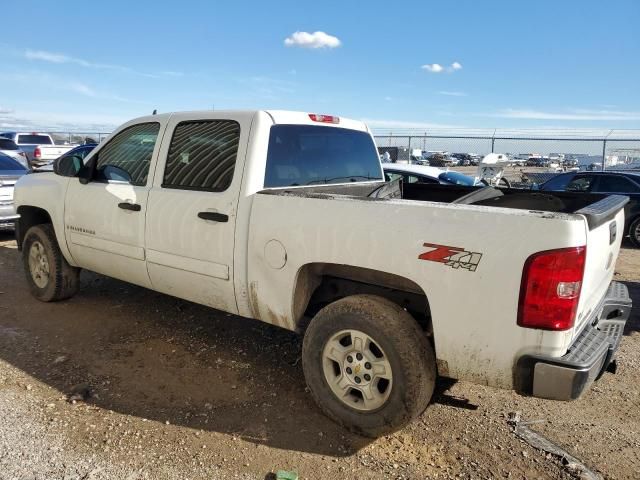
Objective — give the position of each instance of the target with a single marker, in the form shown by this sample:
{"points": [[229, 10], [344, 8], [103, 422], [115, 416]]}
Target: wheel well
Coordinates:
{"points": [[319, 284], [29, 216]]}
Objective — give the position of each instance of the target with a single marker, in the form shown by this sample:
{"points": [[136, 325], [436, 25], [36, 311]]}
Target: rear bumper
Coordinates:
{"points": [[567, 377], [8, 216]]}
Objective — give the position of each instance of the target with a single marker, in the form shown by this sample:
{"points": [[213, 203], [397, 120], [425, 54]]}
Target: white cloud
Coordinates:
{"points": [[433, 67], [437, 68], [312, 40], [574, 114], [452, 93], [82, 89], [61, 58]]}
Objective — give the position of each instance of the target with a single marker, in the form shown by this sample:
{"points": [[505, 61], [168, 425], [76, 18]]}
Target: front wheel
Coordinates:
{"points": [[49, 276], [368, 364]]}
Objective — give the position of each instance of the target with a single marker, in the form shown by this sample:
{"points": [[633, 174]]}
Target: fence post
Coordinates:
{"points": [[409, 146], [604, 153], [493, 142]]}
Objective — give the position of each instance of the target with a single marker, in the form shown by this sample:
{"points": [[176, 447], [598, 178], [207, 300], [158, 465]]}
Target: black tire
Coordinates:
{"points": [[405, 346], [62, 280], [634, 232]]}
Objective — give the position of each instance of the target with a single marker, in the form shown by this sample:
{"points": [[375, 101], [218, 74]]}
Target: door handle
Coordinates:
{"points": [[134, 207], [214, 216]]}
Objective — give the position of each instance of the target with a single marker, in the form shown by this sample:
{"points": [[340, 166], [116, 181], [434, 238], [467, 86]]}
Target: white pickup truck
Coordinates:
{"points": [[39, 148], [285, 217]]}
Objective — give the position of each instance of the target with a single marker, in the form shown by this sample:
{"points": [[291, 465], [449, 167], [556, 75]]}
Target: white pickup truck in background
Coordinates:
{"points": [[39, 148], [285, 217]]}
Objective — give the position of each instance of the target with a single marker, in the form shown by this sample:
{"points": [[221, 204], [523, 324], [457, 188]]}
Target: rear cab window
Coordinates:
{"points": [[33, 139], [315, 155]]}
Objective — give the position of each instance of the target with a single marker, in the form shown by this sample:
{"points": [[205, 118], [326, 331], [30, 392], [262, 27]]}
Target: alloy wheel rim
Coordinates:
{"points": [[357, 370], [39, 264]]}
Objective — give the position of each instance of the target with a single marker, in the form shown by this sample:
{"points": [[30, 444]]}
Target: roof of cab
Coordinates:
{"points": [[277, 116]]}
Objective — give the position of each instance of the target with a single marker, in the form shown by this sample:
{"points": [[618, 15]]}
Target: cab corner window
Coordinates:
{"points": [[202, 155], [127, 156]]}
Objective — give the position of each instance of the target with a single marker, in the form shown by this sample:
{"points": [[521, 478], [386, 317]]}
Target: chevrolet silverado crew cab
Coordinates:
{"points": [[285, 217]]}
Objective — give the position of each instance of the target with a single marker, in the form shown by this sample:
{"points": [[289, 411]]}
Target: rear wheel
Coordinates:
{"points": [[49, 276], [634, 232], [368, 364]]}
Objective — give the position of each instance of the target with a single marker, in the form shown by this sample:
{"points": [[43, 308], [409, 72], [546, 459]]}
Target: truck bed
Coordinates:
{"points": [[597, 208]]}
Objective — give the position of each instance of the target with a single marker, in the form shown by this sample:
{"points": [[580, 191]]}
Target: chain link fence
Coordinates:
{"points": [[613, 148]]}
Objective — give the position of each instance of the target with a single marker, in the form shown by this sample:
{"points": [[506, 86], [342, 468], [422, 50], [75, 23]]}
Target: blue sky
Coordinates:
{"points": [[566, 64]]}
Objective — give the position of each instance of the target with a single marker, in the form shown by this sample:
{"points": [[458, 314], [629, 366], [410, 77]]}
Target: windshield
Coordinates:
{"points": [[34, 139], [9, 164], [456, 178], [316, 155]]}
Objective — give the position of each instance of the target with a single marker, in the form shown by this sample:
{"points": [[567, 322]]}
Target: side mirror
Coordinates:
{"points": [[68, 165]]}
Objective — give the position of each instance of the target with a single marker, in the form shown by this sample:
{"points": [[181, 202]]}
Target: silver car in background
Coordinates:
{"points": [[11, 148], [10, 171]]}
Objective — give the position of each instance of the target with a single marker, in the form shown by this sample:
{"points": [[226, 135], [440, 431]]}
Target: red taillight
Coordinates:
{"points": [[550, 289], [36, 152], [324, 118]]}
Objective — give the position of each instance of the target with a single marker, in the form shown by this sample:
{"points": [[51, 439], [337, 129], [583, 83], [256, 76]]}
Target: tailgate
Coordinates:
{"points": [[605, 230], [49, 152]]}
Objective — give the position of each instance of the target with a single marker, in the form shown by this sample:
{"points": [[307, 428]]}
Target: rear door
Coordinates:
{"points": [[193, 205]]}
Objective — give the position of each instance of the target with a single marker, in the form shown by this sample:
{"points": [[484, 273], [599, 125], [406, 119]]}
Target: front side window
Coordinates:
{"points": [[317, 155], [127, 156], [202, 155]]}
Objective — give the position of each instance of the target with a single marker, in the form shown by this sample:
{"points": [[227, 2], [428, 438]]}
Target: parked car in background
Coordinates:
{"points": [[10, 171], [80, 152], [39, 148], [619, 183], [464, 159], [423, 174], [9, 147], [440, 160]]}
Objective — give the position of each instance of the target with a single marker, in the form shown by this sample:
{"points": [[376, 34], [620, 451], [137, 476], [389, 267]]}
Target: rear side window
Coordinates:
{"points": [[34, 139], [127, 156], [316, 155], [615, 184], [202, 155], [6, 144]]}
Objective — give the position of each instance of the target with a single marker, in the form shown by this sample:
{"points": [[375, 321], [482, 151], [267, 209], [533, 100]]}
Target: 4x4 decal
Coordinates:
{"points": [[453, 257]]}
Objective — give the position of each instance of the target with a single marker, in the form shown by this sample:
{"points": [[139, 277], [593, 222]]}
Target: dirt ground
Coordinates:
{"points": [[167, 389]]}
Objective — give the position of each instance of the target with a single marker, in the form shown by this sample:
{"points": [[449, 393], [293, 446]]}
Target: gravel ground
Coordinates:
{"points": [[124, 383]]}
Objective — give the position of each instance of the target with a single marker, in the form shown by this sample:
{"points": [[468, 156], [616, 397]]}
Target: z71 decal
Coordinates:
{"points": [[453, 257]]}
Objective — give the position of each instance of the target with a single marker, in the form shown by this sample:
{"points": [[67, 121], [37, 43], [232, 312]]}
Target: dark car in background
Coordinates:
{"points": [[620, 183], [10, 171]]}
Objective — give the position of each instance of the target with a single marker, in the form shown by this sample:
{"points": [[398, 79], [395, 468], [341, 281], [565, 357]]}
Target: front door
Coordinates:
{"points": [[105, 218], [192, 209]]}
